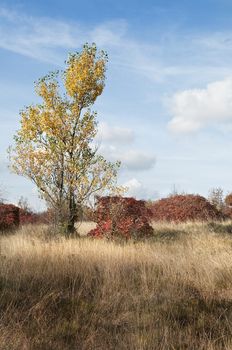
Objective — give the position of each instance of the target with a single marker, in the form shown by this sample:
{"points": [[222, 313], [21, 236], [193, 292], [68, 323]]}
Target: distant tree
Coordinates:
{"points": [[54, 147], [2, 195], [175, 192], [216, 197], [24, 205]]}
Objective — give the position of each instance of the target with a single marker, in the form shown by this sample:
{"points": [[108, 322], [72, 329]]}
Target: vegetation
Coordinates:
{"points": [[142, 286], [172, 292], [216, 197], [54, 148], [181, 208], [9, 217], [121, 218], [228, 200]]}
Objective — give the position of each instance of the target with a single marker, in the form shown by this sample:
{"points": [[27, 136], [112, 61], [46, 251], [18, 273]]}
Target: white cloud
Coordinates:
{"points": [[36, 37], [216, 41], [197, 108], [114, 134], [132, 160], [47, 39], [166, 57], [105, 34], [137, 161], [135, 189]]}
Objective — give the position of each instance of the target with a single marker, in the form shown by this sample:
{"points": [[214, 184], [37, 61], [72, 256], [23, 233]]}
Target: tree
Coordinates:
{"points": [[24, 205], [2, 195], [175, 192], [216, 197], [54, 146]]}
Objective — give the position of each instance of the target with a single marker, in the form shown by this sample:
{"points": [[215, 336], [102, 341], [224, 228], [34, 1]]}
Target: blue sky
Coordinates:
{"points": [[166, 111]]}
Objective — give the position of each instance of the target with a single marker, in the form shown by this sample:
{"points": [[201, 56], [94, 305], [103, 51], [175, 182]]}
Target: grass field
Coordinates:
{"points": [[173, 291]]}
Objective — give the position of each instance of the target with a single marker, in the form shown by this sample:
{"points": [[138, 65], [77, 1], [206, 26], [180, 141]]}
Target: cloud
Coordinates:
{"points": [[105, 34], [216, 41], [137, 160], [36, 37], [131, 160], [135, 189], [113, 140], [114, 134], [47, 39], [196, 108], [169, 56]]}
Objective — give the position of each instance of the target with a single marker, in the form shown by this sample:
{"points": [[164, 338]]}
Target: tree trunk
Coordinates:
{"points": [[72, 215]]}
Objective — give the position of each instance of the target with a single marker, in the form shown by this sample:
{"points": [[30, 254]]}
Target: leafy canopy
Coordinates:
{"points": [[54, 145]]}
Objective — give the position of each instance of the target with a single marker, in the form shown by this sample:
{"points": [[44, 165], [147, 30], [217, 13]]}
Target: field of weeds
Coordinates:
{"points": [[173, 291]]}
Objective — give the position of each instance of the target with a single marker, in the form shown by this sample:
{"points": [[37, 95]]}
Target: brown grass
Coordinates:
{"points": [[171, 292], [84, 227]]}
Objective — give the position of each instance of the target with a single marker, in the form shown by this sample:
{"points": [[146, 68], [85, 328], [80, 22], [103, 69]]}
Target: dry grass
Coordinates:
{"points": [[84, 227], [171, 292]]}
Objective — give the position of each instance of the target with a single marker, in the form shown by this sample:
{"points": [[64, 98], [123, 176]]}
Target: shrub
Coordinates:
{"points": [[228, 200], [9, 217], [28, 217], [120, 217], [181, 208]]}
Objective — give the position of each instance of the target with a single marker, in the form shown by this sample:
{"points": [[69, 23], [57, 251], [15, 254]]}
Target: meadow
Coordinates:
{"points": [[170, 291]]}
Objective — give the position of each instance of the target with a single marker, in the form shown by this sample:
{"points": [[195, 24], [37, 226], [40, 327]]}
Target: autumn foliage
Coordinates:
{"points": [[28, 217], [228, 200], [227, 210], [181, 208], [12, 217], [54, 145], [119, 217], [9, 217]]}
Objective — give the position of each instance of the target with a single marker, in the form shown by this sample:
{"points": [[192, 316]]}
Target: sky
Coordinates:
{"points": [[166, 111]]}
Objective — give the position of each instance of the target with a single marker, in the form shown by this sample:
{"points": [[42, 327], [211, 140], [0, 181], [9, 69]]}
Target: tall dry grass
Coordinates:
{"points": [[171, 292]]}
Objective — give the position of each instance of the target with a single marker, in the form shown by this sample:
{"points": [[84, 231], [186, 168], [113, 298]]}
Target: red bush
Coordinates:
{"points": [[121, 217], [9, 217], [12, 216], [182, 208], [34, 218]]}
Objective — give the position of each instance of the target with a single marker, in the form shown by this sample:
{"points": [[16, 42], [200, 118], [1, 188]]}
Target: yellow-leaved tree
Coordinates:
{"points": [[54, 145]]}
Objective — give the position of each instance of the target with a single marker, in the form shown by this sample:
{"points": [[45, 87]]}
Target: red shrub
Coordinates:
{"points": [[182, 208], [121, 217], [34, 218], [12, 216], [9, 217]]}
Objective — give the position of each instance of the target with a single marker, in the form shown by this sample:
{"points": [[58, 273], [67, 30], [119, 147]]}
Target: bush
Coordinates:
{"points": [[181, 208], [9, 217], [228, 200], [122, 218], [28, 217], [227, 211]]}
